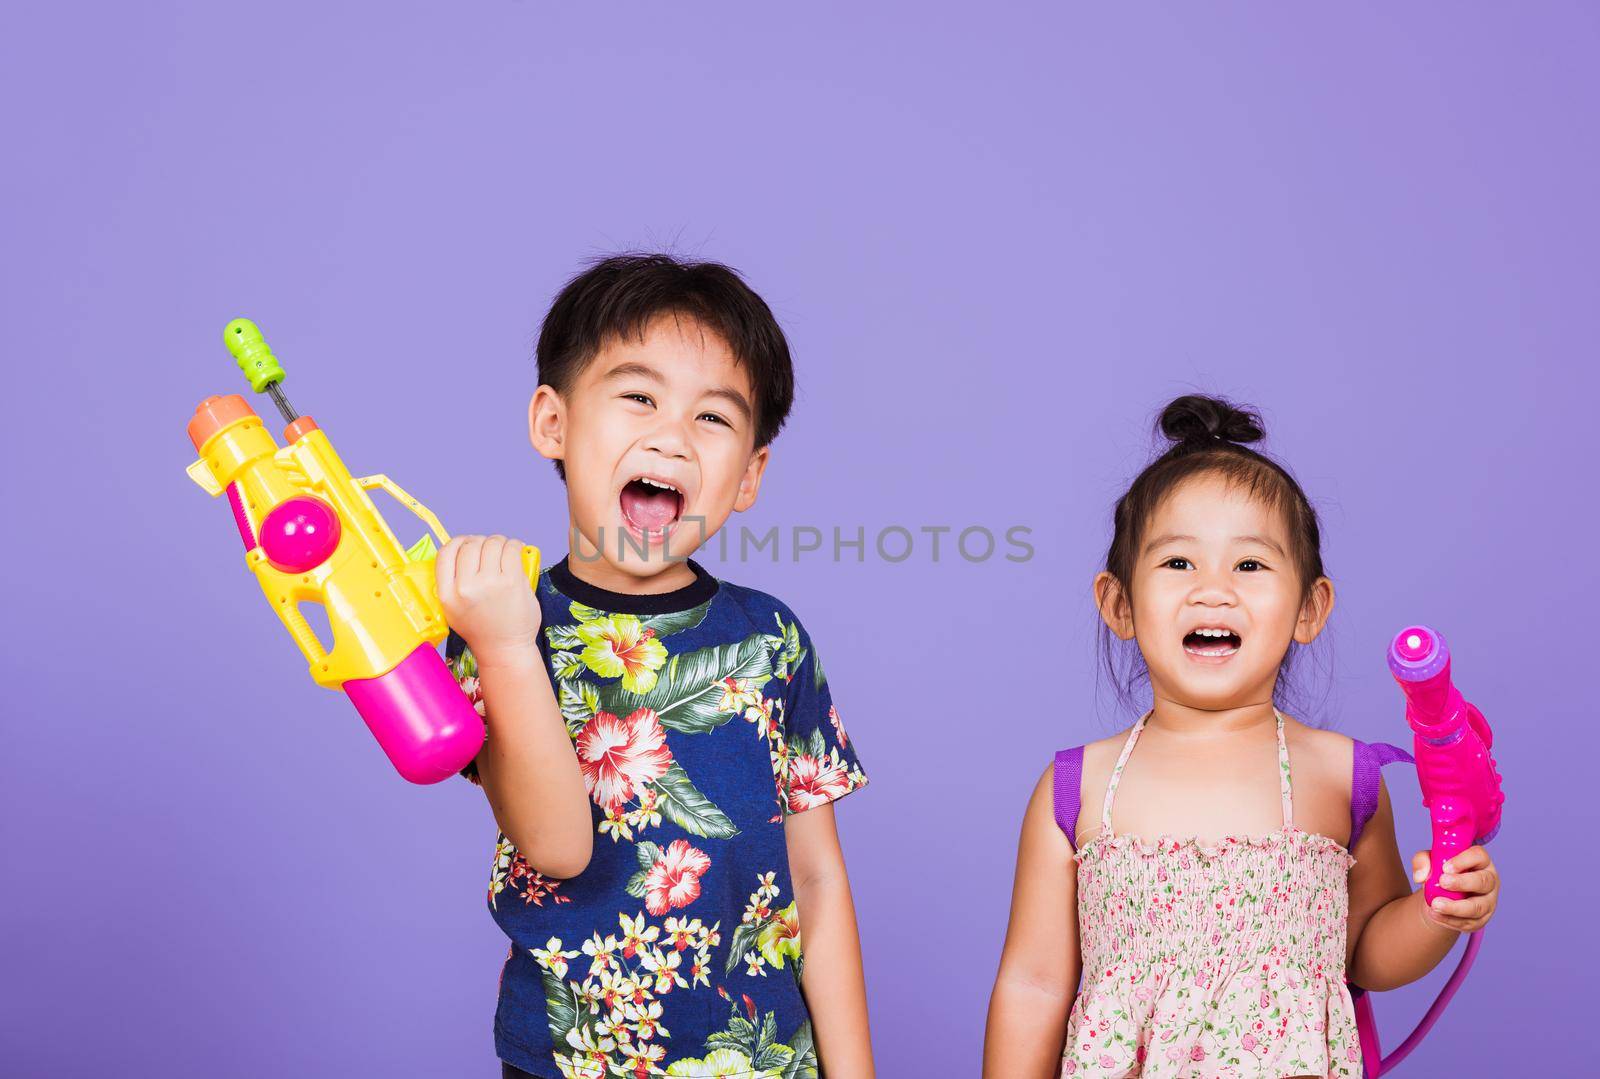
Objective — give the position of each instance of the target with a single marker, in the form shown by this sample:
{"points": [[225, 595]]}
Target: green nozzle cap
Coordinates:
{"points": [[250, 351]]}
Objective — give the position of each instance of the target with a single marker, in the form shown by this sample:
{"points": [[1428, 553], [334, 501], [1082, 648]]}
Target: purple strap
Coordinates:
{"points": [[1067, 779], [1366, 771]]}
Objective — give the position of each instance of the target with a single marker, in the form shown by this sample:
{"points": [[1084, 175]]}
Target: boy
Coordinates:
{"points": [[662, 750]]}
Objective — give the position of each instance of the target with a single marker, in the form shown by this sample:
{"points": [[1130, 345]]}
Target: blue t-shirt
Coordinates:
{"points": [[701, 718]]}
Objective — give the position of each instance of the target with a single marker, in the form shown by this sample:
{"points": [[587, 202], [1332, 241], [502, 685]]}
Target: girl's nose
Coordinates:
{"points": [[1214, 591]]}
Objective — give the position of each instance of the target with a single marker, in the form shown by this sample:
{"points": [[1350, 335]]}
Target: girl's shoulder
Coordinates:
{"points": [[1326, 755], [1094, 776], [1323, 765]]}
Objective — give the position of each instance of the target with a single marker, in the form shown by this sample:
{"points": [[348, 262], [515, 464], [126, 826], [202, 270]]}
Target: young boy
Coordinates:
{"points": [[662, 749]]}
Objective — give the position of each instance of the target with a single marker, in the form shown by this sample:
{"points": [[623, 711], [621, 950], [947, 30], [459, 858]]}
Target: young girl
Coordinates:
{"points": [[1205, 871]]}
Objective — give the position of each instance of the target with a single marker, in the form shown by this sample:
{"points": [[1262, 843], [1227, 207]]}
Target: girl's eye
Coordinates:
{"points": [[1177, 563], [1250, 565], [641, 398]]}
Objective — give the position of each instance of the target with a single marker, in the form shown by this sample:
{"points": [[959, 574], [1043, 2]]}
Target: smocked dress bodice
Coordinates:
{"points": [[1221, 958]]}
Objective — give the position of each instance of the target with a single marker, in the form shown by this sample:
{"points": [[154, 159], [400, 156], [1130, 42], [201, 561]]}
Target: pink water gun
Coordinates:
{"points": [[1460, 783], [1461, 790]]}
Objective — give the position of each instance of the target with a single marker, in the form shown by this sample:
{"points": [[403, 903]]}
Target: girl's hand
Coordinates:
{"points": [[487, 598], [1471, 873]]}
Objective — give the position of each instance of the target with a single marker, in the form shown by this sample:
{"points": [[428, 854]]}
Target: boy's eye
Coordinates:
{"points": [[1177, 562], [714, 418], [641, 398]]}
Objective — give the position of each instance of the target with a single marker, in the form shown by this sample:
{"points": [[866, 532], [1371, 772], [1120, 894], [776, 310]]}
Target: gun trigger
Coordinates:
{"points": [[201, 474]]}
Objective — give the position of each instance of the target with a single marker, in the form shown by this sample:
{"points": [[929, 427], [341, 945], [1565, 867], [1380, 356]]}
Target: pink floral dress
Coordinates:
{"points": [[1212, 959]]}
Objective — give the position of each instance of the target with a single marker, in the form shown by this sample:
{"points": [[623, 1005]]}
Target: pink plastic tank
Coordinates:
{"points": [[420, 717]]}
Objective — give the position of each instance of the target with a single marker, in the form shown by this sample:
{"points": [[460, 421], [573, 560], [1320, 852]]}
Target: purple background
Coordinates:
{"points": [[999, 240]]}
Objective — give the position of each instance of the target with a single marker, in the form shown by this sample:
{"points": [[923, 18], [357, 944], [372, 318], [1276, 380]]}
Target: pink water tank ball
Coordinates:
{"points": [[299, 534]]}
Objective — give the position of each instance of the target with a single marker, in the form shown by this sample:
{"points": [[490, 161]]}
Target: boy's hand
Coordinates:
{"points": [[1471, 873], [487, 597]]}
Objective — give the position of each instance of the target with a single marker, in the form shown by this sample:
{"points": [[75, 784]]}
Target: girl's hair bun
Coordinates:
{"points": [[1195, 421]]}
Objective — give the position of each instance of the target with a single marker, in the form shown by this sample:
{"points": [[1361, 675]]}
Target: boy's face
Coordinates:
{"points": [[1216, 597], [657, 436]]}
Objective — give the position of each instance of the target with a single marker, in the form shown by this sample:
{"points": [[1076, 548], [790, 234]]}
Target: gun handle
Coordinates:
{"points": [[304, 636], [1452, 834]]}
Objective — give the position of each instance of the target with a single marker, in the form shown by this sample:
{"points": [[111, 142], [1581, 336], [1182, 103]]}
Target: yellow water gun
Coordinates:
{"points": [[312, 534]]}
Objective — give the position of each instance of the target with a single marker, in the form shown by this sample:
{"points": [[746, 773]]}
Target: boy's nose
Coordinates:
{"points": [[668, 440]]}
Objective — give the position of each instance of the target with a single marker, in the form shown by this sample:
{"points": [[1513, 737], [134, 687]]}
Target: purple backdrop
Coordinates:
{"points": [[999, 241]]}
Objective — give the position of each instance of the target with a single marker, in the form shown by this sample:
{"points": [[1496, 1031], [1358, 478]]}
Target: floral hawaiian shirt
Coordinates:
{"points": [[700, 718]]}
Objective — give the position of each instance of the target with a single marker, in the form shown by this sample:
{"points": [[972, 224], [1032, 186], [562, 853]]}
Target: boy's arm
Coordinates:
{"points": [[1038, 976], [831, 979], [527, 766], [1394, 939]]}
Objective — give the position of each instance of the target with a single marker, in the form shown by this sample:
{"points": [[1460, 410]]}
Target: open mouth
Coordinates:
{"points": [[651, 506], [1211, 642]]}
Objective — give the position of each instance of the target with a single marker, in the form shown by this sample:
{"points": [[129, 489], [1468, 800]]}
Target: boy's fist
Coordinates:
{"points": [[487, 597]]}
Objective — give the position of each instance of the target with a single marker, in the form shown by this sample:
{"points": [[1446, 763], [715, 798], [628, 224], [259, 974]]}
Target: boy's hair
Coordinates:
{"points": [[1208, 436], [620, 295]]}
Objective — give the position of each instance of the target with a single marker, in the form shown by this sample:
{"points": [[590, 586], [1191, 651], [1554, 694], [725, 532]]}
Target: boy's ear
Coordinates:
{"points": [[1315, 611], [750, 482], [1112, 603], [547, 423]]}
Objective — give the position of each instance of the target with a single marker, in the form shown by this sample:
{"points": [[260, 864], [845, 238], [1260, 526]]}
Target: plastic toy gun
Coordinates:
{"points": [[1461, 789], [1460, 783], [311, 533]]}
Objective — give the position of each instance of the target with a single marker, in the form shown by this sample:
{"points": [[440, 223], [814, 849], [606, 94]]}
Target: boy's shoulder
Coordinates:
{"points": [[763, 609]]}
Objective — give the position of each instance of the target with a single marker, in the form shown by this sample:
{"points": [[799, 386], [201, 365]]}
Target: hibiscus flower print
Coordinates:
{"points": [[781, 937], [674, 880], [838, 728], [619, 644], [815, 781], [719, 1064], [474, 691], [619, 756]]}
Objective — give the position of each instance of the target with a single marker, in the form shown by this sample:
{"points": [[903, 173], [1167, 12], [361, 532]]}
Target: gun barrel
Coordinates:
{"points": [[1419, 659], [250, 351], [1418, 653]]}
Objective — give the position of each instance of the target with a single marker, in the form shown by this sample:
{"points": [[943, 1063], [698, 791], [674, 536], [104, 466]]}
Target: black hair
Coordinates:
{"points": [[1207, 436], [619, 295]]}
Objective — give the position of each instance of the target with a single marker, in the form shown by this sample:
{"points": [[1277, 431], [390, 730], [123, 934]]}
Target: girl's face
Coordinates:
{"points": [[1216, 597]]}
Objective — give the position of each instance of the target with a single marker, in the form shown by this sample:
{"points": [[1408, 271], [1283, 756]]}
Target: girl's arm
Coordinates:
{"points": [[1393, 938], [1038, 977], [831, 978]]}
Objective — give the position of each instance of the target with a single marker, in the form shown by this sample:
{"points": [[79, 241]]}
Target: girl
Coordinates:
{"points": [[1222, 889]]}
